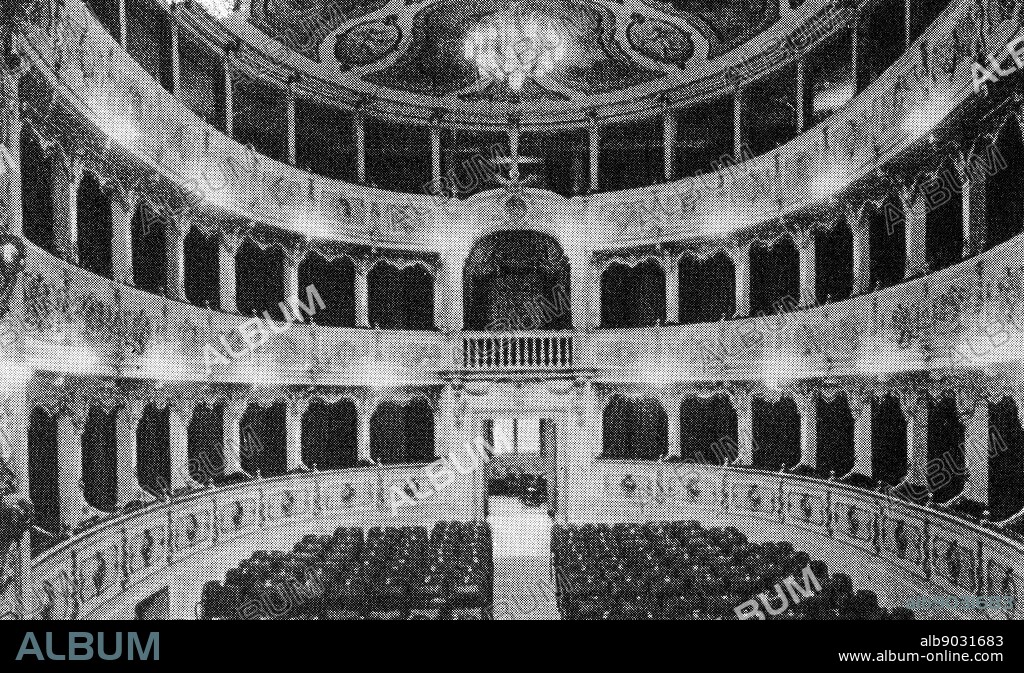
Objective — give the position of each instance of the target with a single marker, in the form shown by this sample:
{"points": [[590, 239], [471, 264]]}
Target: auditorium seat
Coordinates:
{"points": [[388, 574], [681, 570]]}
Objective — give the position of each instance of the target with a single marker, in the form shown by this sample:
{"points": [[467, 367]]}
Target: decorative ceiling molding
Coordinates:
{"points": [[433, 62], [367, 42], [623, 58], [724, 24], [660, 41], [302, 25]]}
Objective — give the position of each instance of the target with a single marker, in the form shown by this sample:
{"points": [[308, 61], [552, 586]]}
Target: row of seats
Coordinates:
{"points": [[680, 570], [388, 573]]}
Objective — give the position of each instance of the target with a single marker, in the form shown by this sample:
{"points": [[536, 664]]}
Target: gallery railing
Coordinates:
{"points": [[104, 569], [517, 351], [923, 547]]}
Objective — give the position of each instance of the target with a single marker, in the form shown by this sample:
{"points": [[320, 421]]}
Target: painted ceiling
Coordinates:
{"points": [[412, 52]]}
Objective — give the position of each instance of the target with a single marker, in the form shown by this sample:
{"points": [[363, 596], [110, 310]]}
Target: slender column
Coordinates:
{"points": [[672, 402], [916, 411], [915, 210], [290, 269], [126, 425], [461, 447], [174, 236], [122, 211], [861, 250], [229, 94], [595, 155], [229, 243], [362, 294], [514, 133], [178, 419], [670, 127], [580, 289], [740, 254], [855, 51], [233, 412], [595, 310], [64, 194], [975, 210], [863, 433], [435, 152], [739, 123], [290, 129], [359, 129], [577, 173], [976, 453], [807, 404], [448, 293], [364, 410], [806, 242], [293, 434], [671, 289], [801, 94], [448, 440], [743, 403], [122, 23], [16, 440], [175, 52], [10, 135], [70, 426], [909, 11], [593, 315], [442, 288]]}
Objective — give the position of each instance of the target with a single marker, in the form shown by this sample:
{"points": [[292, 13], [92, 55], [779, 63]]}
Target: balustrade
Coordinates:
{"points": [[517, 351]]}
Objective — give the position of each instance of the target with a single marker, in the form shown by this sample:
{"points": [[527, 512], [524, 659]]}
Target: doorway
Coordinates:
{"points": [[521, 498], [523, 462]]}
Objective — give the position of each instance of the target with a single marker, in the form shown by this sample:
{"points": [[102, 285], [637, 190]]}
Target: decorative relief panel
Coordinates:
{"points": [[904, 539], [237, 514], [146, 549], [193, 529], [810, 508], [954, 562]]}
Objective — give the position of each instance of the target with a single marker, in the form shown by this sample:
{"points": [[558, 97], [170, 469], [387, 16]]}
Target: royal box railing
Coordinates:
{"points": [[517, 351]]}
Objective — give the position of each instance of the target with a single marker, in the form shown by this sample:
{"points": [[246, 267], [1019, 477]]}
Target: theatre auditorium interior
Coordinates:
{"points": [[511, 309]]}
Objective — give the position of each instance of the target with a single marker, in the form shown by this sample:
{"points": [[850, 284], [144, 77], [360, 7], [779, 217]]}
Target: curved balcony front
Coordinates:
{"points": [[103, 572], [888, 545], [961, 319], [103, 85]]}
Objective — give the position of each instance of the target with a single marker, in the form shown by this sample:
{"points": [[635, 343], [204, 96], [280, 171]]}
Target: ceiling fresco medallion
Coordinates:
{"points": [[725, 23], [302, 25], [367, 42], [660, 41]]}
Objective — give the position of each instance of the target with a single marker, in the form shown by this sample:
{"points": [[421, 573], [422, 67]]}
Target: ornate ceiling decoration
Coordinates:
{"points": [[725, 23], [412, 53], [435, 64], [302, 25]]}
